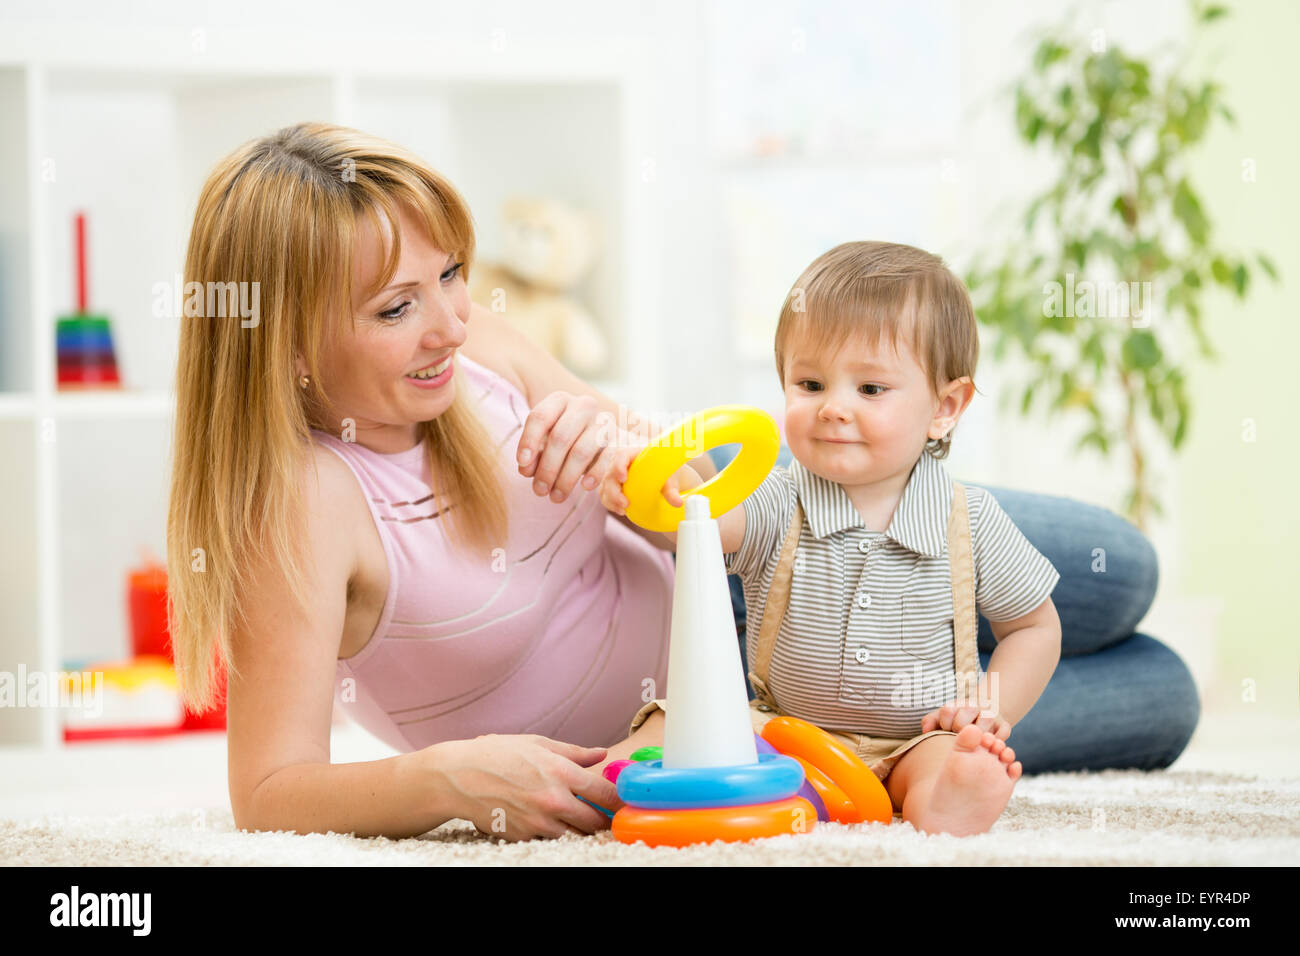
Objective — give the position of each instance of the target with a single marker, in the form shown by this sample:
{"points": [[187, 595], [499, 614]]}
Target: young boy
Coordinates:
{"points": [[863, 562]]}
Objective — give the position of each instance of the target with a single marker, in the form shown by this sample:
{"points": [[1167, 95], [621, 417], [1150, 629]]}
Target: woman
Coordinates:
{"points": [[355, 513]]}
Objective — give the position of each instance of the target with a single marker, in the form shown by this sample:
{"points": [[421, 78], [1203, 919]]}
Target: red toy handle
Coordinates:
{"points": [[81, 264]]}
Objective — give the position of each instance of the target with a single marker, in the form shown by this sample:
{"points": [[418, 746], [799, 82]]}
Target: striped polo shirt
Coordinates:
{"points": [[866, 645]]}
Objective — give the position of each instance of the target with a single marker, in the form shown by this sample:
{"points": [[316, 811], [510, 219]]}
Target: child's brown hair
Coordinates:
{"points": [[859, 289]]}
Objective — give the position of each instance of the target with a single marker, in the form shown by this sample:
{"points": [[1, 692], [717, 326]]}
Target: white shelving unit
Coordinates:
{"points": [[85, 474]]}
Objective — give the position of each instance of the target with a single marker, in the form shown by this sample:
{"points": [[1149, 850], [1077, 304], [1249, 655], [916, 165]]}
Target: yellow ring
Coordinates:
{"points": [[754, 429]]}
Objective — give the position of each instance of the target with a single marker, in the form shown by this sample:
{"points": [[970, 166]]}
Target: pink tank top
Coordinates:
{"points": [[555, 633]]}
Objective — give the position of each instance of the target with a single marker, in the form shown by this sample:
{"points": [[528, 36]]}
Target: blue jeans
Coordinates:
{"points": [[1118, 698]]}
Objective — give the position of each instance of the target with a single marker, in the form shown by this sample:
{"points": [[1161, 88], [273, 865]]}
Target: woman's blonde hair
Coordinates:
{"points": [[284, 212], [861, 290]]}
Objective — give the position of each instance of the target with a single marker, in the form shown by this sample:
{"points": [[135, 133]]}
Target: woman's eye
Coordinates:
{"points": [[395, 313], [452, 272], [881, 387]]}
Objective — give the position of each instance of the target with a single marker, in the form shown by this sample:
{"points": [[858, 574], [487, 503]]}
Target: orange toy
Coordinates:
{"points": [[684, 827], [808, 742]]}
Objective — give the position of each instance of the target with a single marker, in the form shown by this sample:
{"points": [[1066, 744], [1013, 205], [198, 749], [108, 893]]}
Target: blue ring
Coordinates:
{"points": [[609, 813], [651, 787]]}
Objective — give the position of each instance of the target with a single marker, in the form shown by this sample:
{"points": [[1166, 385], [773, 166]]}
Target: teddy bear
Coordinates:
{"points": [[548, 248]]}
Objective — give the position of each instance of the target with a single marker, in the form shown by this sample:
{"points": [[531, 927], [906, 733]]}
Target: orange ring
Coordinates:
{"points": [[730, 824], [838, 805], [798, 738]]}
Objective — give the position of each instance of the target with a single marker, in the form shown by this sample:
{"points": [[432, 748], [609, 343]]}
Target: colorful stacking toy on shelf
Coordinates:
{"points": [[716, 779], [84, 342]]}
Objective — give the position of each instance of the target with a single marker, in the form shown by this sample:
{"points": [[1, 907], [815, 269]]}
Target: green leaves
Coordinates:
{"points": [[1121, 217], [1266, 264], [1140, 350], [1187, 207]]}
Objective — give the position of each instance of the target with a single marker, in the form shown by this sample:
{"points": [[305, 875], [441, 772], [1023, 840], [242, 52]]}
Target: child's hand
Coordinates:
{"points": [[611, 489], [957, 714], [566, 439]]}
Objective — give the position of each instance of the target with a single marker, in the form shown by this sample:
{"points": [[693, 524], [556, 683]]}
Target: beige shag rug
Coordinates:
{"points": [[1125, 818]]}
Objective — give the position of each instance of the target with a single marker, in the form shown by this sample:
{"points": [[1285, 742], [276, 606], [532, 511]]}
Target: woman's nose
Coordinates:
{"points": [[448, 329]]}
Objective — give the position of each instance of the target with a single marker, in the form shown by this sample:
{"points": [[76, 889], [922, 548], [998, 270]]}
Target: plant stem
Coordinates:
{"points": [[1138, 510]]}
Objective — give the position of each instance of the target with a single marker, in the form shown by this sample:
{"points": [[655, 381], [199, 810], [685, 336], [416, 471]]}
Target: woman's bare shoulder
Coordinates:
{"points": [[331, 496]]}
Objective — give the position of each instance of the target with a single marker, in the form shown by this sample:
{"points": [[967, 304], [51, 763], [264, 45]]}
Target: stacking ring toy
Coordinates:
{"points": [[684, 827], [652, 786], [798, 738], [760, 443], [839, 808], [614, 768], [653, 752]]}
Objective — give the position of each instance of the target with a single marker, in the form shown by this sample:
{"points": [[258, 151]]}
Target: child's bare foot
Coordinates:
{"points": [[971, 789]]}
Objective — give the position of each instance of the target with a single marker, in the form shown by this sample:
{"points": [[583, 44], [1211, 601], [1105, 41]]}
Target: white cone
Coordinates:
{"points": [[707, 724]]}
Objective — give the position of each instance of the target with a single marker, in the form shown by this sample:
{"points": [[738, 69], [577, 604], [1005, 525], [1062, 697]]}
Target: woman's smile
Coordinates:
{"points": [[433, 376]]}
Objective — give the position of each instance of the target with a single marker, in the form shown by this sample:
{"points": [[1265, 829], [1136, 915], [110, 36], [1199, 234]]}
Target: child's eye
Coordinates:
{"points": [[810, 384], [395, 313], [451, 273], [881, 387]]}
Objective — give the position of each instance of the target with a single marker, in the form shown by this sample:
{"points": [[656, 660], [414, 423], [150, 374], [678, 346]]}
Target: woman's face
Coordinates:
{"points": [[413, 325]]}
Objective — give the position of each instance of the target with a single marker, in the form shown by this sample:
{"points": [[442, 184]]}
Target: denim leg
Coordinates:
{"points": [[1133, 704], [1098, 608]]}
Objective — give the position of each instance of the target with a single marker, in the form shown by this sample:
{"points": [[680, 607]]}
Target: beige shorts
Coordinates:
{"points": [[878, 753]]}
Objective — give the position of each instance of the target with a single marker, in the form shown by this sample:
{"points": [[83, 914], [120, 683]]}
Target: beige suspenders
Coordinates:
{"points": [[964, 624]]}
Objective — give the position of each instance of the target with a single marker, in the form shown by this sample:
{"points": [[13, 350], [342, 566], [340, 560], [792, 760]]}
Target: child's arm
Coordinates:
{"points": [[1028, 651], [731, 526]]}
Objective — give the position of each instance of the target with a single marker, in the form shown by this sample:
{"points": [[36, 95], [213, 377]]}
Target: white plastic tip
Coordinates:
{"points": [[697, 508]]}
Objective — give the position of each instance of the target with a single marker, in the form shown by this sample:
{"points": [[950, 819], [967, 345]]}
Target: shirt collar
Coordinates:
{"points": [[920, 521]]}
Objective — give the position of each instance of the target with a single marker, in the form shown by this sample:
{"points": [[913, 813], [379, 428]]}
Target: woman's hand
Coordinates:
{"points": [[521, 786], [957, 714], [566, 439]]}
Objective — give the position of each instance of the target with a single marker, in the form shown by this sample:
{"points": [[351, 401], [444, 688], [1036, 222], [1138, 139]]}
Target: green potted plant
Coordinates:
{"points": [[1121, 230]]}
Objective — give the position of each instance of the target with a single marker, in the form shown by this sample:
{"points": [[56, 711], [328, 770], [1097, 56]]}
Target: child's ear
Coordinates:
{"points": [[956, 397]]}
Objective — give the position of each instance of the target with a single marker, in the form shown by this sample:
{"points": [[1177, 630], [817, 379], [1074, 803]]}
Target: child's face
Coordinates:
{"points": [[859, 417]]}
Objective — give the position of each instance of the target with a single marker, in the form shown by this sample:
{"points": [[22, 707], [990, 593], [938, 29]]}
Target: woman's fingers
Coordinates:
{"points": [[570, 448], [593, 787], [551, 467], [537, 426]]}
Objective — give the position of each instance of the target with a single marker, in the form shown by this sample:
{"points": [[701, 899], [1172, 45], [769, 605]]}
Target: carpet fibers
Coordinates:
{"points": [[1124, 818]]}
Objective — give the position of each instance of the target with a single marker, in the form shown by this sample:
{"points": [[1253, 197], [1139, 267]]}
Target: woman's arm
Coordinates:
{"points": [[492, 341], [280, 701], [279, 710]]}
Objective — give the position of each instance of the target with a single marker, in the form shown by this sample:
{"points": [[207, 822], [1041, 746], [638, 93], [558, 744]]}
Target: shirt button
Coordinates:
{"points": [[864, 545], [864, 600], [862, 655]]}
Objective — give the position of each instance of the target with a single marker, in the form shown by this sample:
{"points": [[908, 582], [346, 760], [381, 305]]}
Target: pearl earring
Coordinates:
{"points": [[304, 381]]}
